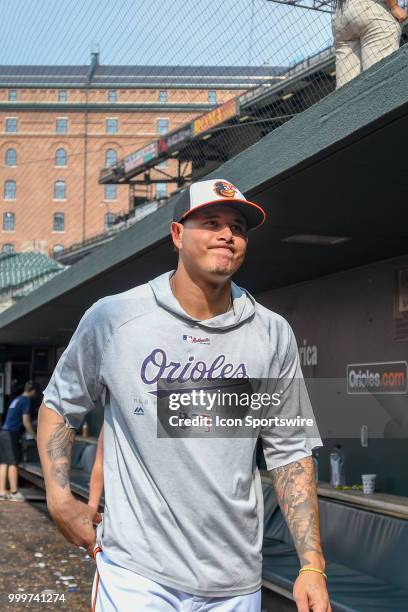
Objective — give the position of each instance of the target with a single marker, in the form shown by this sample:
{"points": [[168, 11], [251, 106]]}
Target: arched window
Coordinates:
{"points": [[9, 221], [11, 157], [7, 248], [59, 222], [111, 157], [61, 157], [109, 220], [60, 191], [57, 248], [10, 190]]}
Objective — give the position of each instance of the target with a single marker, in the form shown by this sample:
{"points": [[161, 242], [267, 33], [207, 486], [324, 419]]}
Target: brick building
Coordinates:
{"points": [[59, 125]]}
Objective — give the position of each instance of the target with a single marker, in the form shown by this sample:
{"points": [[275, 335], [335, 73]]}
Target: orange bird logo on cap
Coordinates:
{"points": [[224, 189]]}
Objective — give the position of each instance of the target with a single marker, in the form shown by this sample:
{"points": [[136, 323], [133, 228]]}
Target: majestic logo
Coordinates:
{"points": [[195, 340], [158, 366], [138, 410], [224, 189]]}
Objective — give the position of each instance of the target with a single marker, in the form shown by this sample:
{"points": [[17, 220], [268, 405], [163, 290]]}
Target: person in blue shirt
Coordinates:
{"points": [[18, 420]]}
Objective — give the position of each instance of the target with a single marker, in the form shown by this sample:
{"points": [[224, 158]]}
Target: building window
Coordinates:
{"points": [[110, 219], [212, 97], [58, 222], [111, 192], [112, 95], [112, 126], [11, 157], [62, 126], [9, 221], [61, 158], [111, 157], [11, 125], [57, 248], [161, 190], [62, 95], [163, 96], [162, 126], [7, 248], [10, 190], [12, 95], [60, 190]]}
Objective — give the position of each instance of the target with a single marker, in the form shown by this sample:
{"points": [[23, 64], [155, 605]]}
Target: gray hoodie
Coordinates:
{"points": [[184, 512]]}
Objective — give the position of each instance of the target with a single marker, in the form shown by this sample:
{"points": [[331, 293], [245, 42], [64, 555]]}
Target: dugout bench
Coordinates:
{"points": [[366, 555]]}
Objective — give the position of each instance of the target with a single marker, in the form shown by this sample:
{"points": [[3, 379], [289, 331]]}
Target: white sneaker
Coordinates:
{"points": [[17, 497], [4, 496]]}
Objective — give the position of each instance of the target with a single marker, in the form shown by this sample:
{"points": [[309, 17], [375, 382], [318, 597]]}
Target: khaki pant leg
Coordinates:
{"points": [[381, 37], [348, 61], [347, 26]]}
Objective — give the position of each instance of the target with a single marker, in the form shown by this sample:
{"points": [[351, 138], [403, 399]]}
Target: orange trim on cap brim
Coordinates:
{"points": [[230, 201]]}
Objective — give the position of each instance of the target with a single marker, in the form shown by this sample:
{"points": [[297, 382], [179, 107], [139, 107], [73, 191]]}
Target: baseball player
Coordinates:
{"points": [[182, 525]]}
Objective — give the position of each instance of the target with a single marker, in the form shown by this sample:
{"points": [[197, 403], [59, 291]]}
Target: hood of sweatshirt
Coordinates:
{"points": [[244, 305]]}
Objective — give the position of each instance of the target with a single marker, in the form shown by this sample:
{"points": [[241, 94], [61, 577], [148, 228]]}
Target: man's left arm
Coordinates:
{"points": [[295, 487], [28, 426]]}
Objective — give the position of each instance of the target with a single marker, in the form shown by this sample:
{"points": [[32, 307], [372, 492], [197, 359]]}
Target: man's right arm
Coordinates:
{"points": [[55, 440]]}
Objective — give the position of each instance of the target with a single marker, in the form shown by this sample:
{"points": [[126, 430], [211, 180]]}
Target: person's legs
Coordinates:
{"points": [[116, 588], [13, 478], [7, 453], [13, 461], [239, 603], [346, 27], [381, 37], [3, 478], [348, 61]]}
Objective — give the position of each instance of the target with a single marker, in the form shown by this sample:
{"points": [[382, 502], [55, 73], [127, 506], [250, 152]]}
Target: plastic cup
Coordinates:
{"points": [[368, 483]]}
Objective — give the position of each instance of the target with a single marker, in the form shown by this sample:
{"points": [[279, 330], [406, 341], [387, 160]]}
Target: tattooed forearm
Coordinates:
{"points": [[59, 448], [60, 473], [295, 488]]}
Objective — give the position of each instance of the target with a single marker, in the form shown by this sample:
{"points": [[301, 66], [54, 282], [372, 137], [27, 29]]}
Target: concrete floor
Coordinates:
{"points": [[35, 558]]}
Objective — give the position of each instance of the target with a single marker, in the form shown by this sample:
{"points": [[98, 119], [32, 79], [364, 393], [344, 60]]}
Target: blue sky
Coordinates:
{"points": [[163, 32]]}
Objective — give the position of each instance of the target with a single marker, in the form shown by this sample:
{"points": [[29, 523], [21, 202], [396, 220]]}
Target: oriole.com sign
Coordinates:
{"points": [[379, 377]]}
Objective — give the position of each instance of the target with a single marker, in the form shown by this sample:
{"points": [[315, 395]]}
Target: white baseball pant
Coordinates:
{"points": [[116, 589]]}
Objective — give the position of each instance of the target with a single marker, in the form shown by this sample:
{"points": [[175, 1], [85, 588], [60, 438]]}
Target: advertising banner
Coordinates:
{"points": [[141, 156], [174, 139], [215, 117], [388, 377]]}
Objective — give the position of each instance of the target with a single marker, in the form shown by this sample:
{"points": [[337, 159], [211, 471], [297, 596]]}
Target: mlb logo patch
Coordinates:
{"points": [[195, 339]]}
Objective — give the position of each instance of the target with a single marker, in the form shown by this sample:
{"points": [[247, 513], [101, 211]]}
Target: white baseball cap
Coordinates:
{"points": [[217, 191]]}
